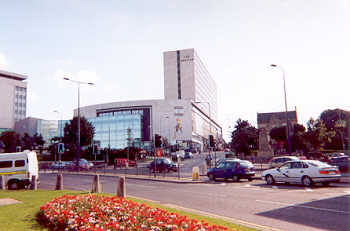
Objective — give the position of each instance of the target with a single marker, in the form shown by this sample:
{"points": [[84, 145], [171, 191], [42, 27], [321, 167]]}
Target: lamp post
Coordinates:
{"points": [[285, 103], [78, 132]]}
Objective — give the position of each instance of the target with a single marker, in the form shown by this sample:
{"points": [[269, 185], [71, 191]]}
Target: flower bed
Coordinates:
{"points": [[93, 212]]}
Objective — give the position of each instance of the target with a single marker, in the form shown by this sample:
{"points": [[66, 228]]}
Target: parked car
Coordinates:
{"points": [[181, 154], [83, 164], [60, 165], [188, 155], [163, 165], [341, 162], [279, 160], [306, 172], [121, 162], [234, 169], [336, 155]]}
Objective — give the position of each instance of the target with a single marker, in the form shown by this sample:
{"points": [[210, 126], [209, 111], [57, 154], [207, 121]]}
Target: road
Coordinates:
{"points": [[284, 207]]}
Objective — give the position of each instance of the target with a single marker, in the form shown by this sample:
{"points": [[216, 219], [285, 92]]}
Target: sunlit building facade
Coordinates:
{"points": [[186, 116], [13, 99]]}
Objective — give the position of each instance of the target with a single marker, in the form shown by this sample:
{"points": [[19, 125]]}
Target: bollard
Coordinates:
{"points": [[204, 169], [121, 187], [195, 173], [96, 185], [34, 183], [2, 183], [59, 182]]}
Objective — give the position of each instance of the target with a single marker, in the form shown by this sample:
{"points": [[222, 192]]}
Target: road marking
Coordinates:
{"points": [[247, 185], [308, 190], [303, 206]]}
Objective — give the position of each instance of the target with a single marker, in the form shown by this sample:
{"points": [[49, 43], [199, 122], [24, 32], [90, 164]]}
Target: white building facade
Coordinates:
{"points": [[13, 99], [186, 116]]}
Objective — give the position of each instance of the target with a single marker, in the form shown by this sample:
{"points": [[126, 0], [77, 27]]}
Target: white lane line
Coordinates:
{"points": [[303, 206]]}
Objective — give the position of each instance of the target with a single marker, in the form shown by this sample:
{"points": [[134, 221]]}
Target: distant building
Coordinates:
{"points": [[186, 116], [48, 129], [13, 99], [268, 121]]}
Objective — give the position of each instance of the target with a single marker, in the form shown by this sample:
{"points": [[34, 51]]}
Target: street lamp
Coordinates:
{"points": [[78, 132], [285, 103]]}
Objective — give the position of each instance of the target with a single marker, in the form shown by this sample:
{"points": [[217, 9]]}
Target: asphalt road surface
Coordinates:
{"points": [[284, 207]]}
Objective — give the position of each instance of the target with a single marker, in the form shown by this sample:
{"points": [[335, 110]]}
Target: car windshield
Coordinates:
{"points": [[317, 163]]}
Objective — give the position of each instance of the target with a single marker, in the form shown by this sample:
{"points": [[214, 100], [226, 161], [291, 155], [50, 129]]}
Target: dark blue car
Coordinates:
{"points": [[234, 169]]}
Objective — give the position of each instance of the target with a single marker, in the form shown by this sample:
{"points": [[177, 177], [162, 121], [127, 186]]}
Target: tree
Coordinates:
{"points": [[317, 134], [27, 142], [244, 138], [10, 140], [278, 134], [335, 120], [299, 138], [87, 132]]}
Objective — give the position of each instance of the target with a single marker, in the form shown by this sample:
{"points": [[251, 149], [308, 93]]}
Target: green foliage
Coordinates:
{"points": [[336, 121], [317, 134], [245, 137], [10, 140], [70, 138], [278, 133]]}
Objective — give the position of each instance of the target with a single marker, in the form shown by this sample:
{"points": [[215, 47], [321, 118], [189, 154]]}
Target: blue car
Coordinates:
{"points": [[234, 169]]}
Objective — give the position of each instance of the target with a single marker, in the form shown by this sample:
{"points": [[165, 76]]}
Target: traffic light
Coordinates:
{"points": [[60, 148], [211, 141], [158, 141]]}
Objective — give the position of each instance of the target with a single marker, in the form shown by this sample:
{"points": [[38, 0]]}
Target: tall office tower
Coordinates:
{"points": [[13, 99], [186, 78]]}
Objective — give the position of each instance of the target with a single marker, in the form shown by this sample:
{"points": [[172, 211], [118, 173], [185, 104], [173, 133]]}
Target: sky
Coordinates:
{"points": [[118, 45]]}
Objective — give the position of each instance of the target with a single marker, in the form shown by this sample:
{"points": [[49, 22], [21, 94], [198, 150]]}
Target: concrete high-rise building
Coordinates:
{"points": [[186, 116], [186, 78], [13, 99]]}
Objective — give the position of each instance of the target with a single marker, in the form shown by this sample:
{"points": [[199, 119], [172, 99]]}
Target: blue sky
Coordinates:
{"points": [[118, 45]]}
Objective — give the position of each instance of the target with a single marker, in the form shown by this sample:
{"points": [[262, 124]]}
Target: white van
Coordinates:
{"points": [[18, 168]]}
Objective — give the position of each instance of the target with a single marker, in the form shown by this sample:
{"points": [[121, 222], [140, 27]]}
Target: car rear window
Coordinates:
{"points": [[317, 163]]}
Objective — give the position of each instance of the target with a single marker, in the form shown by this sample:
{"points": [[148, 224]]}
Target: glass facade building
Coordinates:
{"points": [[111, 127]]}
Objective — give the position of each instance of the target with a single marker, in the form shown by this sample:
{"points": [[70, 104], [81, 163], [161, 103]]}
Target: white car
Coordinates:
{"points": [[306, 172]]}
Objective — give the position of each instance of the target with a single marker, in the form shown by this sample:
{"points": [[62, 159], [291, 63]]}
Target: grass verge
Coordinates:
{"points": [[22, 216]]}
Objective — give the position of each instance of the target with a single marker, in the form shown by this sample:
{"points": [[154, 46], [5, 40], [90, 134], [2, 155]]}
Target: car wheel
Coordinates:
{"points": [[235, 178], [250, 179], [13, 185], [307, 181], [269, 180], [211, 177]]}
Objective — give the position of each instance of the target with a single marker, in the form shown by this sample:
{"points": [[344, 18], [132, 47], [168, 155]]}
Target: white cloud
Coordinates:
{"points": [[3, 61]]}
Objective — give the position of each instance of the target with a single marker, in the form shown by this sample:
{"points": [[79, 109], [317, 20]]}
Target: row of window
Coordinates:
{"points": [[21, 89], [119, 113], [8, 164]]}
